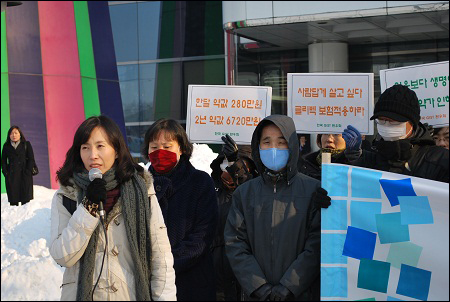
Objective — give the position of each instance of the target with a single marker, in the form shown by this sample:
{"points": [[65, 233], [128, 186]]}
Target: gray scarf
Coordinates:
{"points": [[136, 211], [15, 144]]}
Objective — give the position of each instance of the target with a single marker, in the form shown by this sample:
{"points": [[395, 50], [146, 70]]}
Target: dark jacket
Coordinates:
{"points": [[16, 167], [417, 156], [272, 232], [308, 164], [227, 286], [189, 205]]}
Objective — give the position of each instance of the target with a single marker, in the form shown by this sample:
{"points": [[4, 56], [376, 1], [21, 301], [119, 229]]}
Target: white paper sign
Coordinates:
{"points": [[430, 83], [328, 102], [216, 110]]}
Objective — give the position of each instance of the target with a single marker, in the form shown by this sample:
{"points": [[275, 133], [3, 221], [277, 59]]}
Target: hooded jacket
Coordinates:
{"points": [[272, 233], [70, 236], [416, 156]]}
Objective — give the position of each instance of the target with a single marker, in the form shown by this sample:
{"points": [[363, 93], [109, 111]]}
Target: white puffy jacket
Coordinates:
{"points": [[70, 235]]}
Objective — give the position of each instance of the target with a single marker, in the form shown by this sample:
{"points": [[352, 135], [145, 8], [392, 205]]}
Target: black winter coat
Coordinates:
{"points": [[189, 205], [272, 233], [417, 156], [16, 167], [308, 164]]}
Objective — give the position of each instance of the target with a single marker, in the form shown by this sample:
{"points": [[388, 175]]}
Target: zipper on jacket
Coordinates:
{"points": [[274, 188]]}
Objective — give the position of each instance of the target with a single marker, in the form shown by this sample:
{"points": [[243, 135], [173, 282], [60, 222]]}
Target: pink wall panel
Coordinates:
{"points": [[62, 83]]}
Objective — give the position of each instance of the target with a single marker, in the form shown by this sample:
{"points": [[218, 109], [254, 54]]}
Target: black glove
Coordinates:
{"points": [[321, 199], [230, 149], [96, 191], [280, 293], [263, 292]]}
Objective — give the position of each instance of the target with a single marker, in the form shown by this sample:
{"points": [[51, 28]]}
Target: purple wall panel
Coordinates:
{"points": [[105, 63], [111, 103], [102, 41], [28, 112], [24, 47]]}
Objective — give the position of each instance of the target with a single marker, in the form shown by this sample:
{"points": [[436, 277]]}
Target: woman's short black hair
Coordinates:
{"points": [[22, 137], [125, 165], [174, 131]]}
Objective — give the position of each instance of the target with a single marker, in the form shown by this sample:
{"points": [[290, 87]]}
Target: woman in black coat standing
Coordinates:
{"points": [[189, 206], [17, 164]]}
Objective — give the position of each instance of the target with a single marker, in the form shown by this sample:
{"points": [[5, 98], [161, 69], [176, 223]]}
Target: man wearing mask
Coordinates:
{"points": [[406, 146], [272, 233]]}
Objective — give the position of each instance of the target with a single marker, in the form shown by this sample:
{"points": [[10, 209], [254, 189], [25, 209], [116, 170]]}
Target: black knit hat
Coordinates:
{"points": [[398, 103]]}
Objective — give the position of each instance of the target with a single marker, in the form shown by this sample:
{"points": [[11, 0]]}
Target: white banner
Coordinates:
{"points": [[216, 110], [385, 236], [430, 83], [328, 102]]}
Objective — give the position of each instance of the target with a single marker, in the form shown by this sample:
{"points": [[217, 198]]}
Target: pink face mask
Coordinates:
{"points": [[162, 160]]}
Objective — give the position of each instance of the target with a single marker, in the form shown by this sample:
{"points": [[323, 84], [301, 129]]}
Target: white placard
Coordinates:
{"points": [[328, 102], [429, 82], [216, 110]]}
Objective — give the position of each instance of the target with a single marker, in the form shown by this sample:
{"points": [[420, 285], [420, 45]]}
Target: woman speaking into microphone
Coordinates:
{"points": [[126, 257]]}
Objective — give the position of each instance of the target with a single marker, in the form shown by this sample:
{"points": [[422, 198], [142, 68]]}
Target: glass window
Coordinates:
{"points": [[149, 16], [147, 83], [125, 32], [129, 90], [135, 140]]}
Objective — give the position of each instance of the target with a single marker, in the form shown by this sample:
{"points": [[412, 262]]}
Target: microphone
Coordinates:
{"points": [[93, 174]]}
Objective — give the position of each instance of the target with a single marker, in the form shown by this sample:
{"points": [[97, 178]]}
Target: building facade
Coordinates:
{"points": [[134, 60]]}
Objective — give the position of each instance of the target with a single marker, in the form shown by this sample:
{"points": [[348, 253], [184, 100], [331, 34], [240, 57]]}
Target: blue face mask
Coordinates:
{"points": [[274, 159]]}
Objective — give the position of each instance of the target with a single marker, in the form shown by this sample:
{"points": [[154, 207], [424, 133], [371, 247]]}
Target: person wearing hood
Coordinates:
{"points": [[311, 164], [272, 233], [232, 167], [405, 145]]}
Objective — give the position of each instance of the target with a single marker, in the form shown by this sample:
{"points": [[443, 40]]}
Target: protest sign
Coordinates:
{"points": [[429, 82], [328, 102], [216, 110], [385, 236]]}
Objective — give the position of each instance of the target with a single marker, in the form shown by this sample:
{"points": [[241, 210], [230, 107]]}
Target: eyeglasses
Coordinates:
{"points": [[383, 122]]}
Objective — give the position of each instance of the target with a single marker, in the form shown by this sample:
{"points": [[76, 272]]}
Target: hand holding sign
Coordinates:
{"points": [[352, 138], [230, 149]]}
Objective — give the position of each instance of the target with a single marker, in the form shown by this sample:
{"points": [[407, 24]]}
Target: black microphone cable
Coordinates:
{"points": [[102, 216]]}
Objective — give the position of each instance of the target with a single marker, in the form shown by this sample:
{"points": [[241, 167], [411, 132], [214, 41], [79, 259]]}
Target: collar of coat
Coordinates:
{"points": [[72, 191]]}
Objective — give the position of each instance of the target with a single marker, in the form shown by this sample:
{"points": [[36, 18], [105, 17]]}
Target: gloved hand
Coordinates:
{"points": [[321, 199], [96, 191], [230, 149], [352, 138], [280, 293], [263, 292]]}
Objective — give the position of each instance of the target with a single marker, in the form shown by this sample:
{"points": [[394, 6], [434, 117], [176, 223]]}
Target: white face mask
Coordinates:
{"points": [[223, 165], [393, 132]]}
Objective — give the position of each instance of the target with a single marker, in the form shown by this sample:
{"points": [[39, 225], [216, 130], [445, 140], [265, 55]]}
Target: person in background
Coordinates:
{"points": [[138, 263], [272, 233], [189, 205], [304, 147], [311, 164], [440, 136], [17, 164], [405, 145], [232, 167]]}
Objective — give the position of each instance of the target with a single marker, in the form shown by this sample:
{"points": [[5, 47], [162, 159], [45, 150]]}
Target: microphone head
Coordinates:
{"points": [[95, 173]]}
